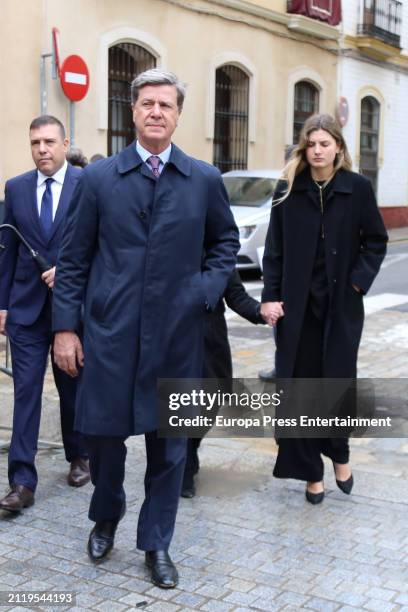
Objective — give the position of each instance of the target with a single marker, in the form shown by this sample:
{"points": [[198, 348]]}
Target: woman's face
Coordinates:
{"points": [[321, 149]]}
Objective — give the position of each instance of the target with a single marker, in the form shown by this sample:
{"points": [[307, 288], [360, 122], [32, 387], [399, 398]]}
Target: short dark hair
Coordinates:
{"points": [[96, 157], [47, 120], [76, 158]]}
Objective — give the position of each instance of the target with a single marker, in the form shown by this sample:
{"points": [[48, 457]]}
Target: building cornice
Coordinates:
{"points": [[298, 27], [313, 27], [374, 48]]}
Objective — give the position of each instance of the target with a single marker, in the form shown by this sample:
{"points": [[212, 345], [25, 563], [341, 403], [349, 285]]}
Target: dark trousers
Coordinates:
{"points": [[192, 461], [30, 347], [300, 458], [163, 479]]}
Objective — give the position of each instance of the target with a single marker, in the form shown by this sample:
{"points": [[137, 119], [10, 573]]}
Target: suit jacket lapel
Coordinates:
{"points": [[31, 190], [65, 197]]}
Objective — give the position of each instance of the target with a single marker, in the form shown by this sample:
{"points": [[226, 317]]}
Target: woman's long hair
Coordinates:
{"points": [[297, 160]]}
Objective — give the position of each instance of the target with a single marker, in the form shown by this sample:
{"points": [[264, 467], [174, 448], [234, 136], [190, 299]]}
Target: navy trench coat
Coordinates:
{"points": [[132, 253], [355, 245]]}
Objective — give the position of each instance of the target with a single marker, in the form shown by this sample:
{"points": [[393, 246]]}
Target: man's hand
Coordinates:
{"points": [[3, 319], [68, 353], [271, 312], [48, 277], [356, 288]]}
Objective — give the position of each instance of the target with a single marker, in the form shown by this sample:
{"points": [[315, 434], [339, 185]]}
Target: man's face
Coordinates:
{"points": [[155, 114], [48, 148]]}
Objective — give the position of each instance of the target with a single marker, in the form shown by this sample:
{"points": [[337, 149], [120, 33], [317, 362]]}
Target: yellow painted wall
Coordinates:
{"points": [[191, 39]]}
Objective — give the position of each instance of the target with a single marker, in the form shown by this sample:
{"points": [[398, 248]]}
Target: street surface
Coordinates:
{"points": [[247, 541]]}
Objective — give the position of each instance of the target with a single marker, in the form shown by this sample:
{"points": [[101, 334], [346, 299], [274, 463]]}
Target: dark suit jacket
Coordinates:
{"points": [[22, 292], [132, 252]]}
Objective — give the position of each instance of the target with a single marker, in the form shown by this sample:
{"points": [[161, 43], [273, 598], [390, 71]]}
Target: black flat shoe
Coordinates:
{"points": [[314, 498], [346, 485], [101, 539], [162, 569]]}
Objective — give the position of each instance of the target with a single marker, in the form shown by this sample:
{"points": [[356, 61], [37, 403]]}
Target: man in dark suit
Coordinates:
{"points": [[36, 203], [132, 252]]}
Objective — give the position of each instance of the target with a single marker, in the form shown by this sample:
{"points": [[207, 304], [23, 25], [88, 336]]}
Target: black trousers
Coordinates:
{"points": [[301, 458]]}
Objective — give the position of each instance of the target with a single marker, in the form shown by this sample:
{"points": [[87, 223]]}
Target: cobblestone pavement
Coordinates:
{"points": [[247, 541]]}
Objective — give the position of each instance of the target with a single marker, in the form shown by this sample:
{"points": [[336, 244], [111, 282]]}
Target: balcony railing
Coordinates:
{"points": [[381, 19]]}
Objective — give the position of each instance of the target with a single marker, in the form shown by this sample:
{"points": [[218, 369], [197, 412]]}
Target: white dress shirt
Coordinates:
{"points": [[145, 154], [56, 187]]}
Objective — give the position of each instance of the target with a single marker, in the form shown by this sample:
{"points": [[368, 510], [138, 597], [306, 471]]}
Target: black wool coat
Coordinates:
{"points": [[355, 246], [217, 351]]}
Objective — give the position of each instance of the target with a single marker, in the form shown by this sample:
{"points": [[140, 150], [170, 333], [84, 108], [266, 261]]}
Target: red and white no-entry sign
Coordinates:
{"points": [[74, 78]]}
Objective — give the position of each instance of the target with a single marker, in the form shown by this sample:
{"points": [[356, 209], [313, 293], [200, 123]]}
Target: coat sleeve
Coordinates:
{"points": [[373, 241], [8, 255], [273, 256], [221, 242], [75, 256], [240, 301]]}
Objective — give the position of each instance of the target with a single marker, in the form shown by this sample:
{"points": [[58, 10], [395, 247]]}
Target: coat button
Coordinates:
{"points": [[334, 280], [334, 251], [142, 214]]}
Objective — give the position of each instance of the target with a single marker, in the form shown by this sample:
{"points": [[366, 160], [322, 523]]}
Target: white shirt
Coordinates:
{"points": [[56, 187], [145, 154]]}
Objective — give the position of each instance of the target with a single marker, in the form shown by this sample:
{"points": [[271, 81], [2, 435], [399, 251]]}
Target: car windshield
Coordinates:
{"points": [[249, 190]]}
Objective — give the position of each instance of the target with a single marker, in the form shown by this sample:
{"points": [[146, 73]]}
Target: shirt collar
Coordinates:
{"points": [[58, 177], [145, 154]]}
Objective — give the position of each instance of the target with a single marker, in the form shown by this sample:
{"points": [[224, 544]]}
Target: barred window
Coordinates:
{"points": [[306, 104], [369, 139], [230, 150], [126, 60]]}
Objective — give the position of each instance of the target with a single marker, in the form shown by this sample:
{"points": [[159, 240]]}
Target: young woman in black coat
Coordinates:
{"points": [[324, 247], [217, 356]]}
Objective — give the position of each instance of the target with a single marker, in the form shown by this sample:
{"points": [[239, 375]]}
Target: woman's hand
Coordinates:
{"points": [[271, 312]]}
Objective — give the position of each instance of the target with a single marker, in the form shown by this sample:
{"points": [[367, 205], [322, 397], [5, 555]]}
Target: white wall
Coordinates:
{"points": [[392, 87]]}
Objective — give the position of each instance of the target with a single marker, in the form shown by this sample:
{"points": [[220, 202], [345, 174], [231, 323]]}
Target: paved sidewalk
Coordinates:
{"points": [[247, 541]]}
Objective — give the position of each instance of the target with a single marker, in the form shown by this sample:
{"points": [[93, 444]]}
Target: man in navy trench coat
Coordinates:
{"points": [[136, 231]]}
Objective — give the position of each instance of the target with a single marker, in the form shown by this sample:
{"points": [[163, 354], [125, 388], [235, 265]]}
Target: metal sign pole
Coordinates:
{"points": [[72, 123]]}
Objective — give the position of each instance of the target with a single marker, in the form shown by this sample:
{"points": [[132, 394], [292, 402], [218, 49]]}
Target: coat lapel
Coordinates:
{"points": [[303, 182]]}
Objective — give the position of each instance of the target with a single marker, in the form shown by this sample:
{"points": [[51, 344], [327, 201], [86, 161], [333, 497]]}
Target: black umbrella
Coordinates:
{"points": [[42, 263]]}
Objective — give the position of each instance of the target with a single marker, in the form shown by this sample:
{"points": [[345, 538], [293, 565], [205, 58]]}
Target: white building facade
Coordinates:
{"points": [[373, 84]]}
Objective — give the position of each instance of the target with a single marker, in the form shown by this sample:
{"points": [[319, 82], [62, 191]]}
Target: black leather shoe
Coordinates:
{"points": [[101, 539], [188, 491], [163, 571], [345, 485], [17, 498], [78, 474], [267, 375]]}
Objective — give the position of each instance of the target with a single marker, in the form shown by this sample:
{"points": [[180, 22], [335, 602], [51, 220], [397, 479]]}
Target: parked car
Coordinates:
{"points": [[250, 193]]}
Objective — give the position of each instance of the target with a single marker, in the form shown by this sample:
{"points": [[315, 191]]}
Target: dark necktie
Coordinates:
{"points": [[46, 208], [154, 163]]}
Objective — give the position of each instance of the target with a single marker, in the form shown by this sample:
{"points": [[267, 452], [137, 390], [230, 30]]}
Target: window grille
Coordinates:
{"points": [[126, 60], [230, 150], [306, 104], [369, 139]]}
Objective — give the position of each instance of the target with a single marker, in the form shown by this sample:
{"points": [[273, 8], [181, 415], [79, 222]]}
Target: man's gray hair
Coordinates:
{"points": [[156, 76]]}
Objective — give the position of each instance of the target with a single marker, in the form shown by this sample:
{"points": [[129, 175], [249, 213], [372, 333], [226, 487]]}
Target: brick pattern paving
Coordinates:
{"points": [[247, 541]]}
